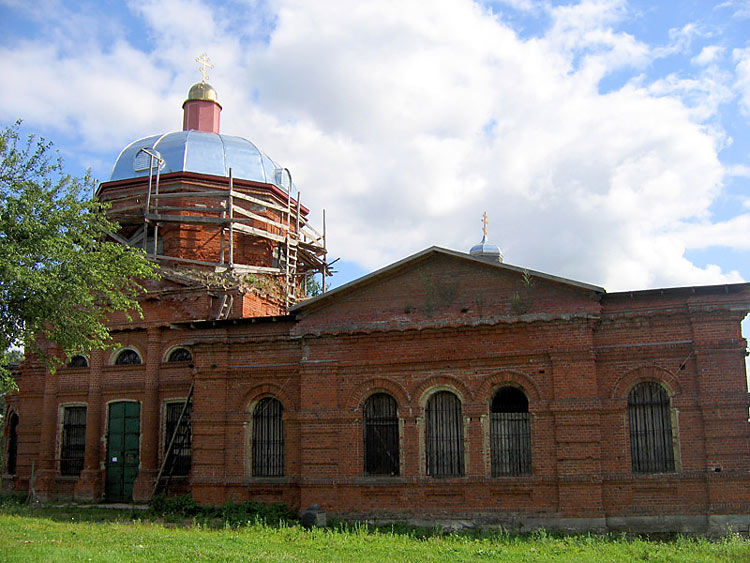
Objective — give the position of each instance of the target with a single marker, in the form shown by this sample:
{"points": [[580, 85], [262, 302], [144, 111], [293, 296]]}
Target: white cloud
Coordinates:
{"points": [[709, 54], [98, 96], [702, 93], [740, 8], [732, 233], [406, 123], [583, 33], [738, 170]]}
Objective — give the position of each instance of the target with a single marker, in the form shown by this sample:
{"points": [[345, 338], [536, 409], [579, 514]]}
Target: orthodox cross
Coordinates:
{"points": [[484, 223], [204, 63]]}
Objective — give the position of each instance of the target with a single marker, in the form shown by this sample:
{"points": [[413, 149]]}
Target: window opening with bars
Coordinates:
{"points": [[381, 435], [649, 415], [510, 435], [181, 459], [73, 440], [127, 357], [180, 355], [268, 439], [444, 435]]}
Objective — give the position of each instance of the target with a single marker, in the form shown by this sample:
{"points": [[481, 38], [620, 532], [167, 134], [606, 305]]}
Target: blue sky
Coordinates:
{"points": [[608, 140]]}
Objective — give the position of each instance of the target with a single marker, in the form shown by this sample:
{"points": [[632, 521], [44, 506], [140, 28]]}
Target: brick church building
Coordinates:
{"points": [[448, 385]]}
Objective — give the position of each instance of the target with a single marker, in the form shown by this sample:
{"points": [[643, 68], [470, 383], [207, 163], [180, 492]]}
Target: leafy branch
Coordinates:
{"points": [[59, 276]]}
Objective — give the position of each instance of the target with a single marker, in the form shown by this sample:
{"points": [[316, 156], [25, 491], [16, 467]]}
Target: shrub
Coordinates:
{"points": [[229, 514], [12, 499], [183, 505], [249, 512]]}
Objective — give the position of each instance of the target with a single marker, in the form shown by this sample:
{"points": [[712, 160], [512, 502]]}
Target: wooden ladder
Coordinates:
{"points": [[226, 307], [292, 244]]}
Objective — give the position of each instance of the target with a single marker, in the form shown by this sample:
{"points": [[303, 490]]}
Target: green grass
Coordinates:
{"points": [[69, 534]]}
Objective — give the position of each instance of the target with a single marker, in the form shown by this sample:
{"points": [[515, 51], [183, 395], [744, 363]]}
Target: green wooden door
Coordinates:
{"points": [[123, 440]]}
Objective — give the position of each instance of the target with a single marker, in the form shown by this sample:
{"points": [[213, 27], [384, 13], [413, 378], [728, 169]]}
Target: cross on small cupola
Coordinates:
{"points": [[204, 62], [486, 250], [202, 108]]}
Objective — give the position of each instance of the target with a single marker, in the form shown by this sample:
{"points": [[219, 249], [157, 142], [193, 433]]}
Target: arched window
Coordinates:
{"points": [[180, 355], [444, 435], [268, 439], [510, 437], [127, 356], [12, 444], [381, 435], [650, 420], [78, 361]]}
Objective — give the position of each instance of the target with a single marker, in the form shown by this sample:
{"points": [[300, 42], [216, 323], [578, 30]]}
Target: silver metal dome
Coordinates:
{"points": [[486, 251], [202, 153]]}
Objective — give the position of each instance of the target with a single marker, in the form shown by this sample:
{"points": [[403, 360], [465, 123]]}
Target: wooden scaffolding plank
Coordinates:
{"points": [[242, 268]]}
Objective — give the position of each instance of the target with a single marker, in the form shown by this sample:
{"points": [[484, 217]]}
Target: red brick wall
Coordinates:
{"points": [[575, 353]]}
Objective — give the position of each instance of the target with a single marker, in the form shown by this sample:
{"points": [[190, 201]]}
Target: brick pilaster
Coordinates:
{"points": [[89, 487], [149, 467]]}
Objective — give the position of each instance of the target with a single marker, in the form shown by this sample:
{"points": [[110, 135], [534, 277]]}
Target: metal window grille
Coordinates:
{"points": [[181, 460], [12, 444], [444, 436], [180, 355], [649, 414], [510, 435], [268, 439], [381, 435], [127, 357], [73, 440]]}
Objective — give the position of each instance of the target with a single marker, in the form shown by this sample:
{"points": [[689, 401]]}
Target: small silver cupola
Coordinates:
{"points": [[485, 250]]}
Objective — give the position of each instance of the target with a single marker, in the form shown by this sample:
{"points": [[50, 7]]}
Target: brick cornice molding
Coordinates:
{"points": [[512, 377], [262, 390], [661, 375], [366, 389]]}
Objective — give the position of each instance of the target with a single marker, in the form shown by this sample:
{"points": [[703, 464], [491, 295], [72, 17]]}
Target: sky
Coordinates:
{"points": [[607, 140]]}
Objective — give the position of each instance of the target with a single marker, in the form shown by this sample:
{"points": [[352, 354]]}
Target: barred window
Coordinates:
{"points": [[180, 355], [510, 436], [381, 435], [73, 440], [444, 435], [12, 444], [650, 420], [127, 357], [268, 439], [181, 461]]}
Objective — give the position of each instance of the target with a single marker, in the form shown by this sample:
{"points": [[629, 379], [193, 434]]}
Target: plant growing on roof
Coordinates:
{"points": [[522, 300]]}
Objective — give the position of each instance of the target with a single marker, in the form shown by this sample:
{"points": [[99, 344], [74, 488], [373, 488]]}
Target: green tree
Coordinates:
{"points": [[313, 286], [59, 276]]}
